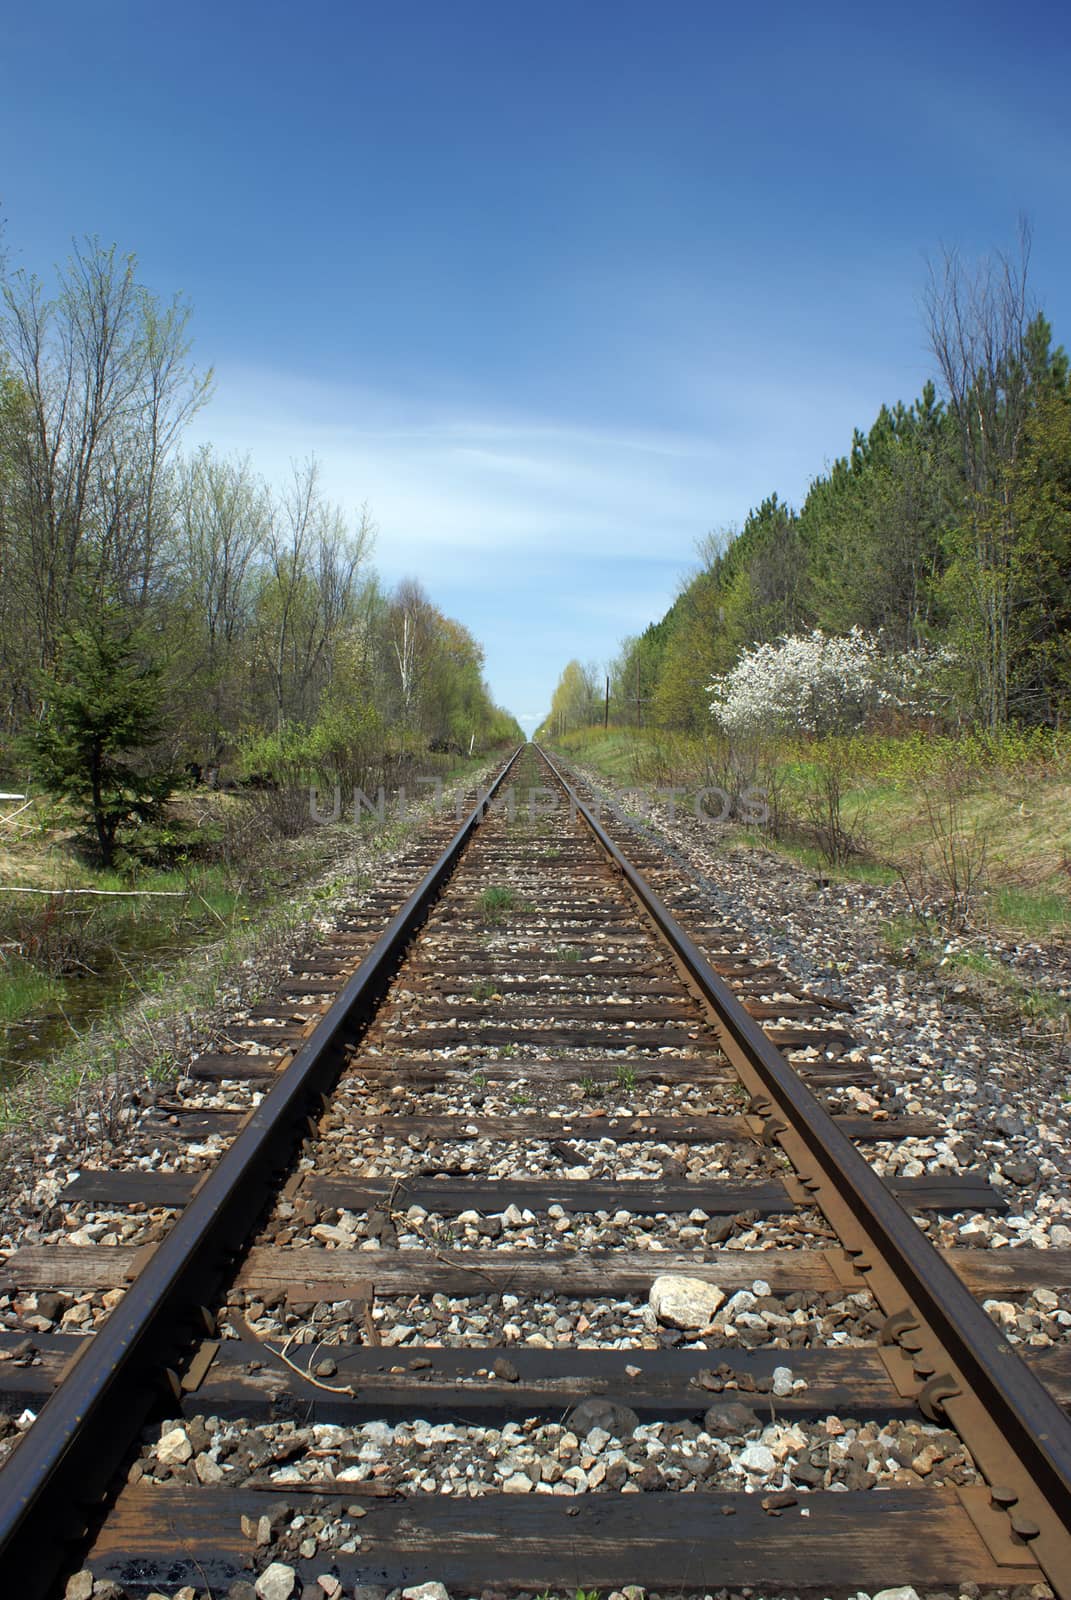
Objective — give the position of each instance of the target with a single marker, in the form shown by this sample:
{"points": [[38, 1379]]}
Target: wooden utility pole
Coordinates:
{"points": [[606, 714]]}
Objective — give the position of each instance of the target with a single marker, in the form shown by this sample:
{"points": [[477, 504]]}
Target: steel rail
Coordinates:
{"points": [[1019, 1435], [50, 1487]]}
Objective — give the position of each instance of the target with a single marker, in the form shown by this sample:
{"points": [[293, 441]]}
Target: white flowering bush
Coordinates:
{"points": [[821, 683]]}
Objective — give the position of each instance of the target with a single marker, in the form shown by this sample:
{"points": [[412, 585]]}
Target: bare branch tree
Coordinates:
{"points": [[313, 562], [219, 526], [105, 386], [979, 322]]}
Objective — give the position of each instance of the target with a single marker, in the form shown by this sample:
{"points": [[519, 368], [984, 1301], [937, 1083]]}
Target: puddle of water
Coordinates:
{"points": [[87, 998]]}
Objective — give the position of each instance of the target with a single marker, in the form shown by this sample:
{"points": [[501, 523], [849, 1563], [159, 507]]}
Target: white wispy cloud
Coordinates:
{"points": [[442, 483], [564, 532]]}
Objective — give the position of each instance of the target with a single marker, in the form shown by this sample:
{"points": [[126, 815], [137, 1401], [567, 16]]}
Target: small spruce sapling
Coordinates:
{"points": [[103, 709]]}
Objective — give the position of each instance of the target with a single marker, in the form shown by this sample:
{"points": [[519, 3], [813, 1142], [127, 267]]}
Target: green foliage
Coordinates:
{"points": [[282, 755], [292, 755], [102, 716], [918, 753], [1039, 490], [1037, 913], [635, 674], [692, 645], [575, 702], [874, 527]]}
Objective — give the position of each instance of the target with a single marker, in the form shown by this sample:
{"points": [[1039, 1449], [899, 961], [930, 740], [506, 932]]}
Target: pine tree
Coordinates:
{"points": [[102, 716]]}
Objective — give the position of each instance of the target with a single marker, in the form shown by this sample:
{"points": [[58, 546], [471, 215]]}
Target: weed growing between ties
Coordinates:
{"points": [[440, 1233], [497, 901], [581, 1594]]}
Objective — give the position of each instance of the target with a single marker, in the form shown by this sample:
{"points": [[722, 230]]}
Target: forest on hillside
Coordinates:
{"points": [[944, 531], [166, 612]]}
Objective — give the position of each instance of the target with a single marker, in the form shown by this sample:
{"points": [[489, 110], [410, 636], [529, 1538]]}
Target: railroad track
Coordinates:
{"points": [[512, 1247]]}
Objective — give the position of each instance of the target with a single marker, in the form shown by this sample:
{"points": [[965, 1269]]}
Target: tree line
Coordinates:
{"points": [[946, 525], [162, 610]]}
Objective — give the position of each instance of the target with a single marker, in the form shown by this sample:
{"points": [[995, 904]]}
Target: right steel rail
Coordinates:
{"points": [[951, 1355]]}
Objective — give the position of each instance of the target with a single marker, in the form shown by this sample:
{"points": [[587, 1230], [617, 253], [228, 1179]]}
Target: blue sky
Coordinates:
{"points": [[556, 288]]}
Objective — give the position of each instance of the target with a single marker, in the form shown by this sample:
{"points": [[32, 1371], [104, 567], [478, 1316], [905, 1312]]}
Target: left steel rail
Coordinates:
{"points": [[51, 1488]]}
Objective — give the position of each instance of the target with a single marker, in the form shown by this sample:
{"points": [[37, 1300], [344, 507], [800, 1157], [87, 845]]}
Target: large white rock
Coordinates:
{"points": [[276, 1582], [174, 1448], [684, 1302], [757, 1458], [426, 1591]]}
